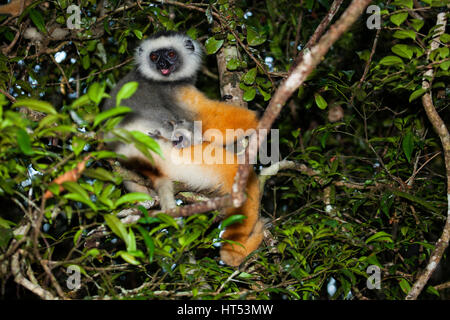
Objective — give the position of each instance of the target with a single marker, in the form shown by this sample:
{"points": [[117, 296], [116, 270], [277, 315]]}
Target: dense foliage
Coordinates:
{"points": [[377, 195]]}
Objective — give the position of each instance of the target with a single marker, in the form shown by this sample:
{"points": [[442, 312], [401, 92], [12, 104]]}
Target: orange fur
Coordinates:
{"points": [[217, 115], [15, 7], [216, 171]]}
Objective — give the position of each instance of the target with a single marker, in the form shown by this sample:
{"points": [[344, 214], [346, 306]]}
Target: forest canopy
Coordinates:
{"points": [[355, 92]]}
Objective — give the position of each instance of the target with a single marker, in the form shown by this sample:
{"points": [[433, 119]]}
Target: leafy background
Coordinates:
{"points": [[378, 196]]}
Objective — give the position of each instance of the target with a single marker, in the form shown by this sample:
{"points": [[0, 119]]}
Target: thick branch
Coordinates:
{"points": [[442, 131], [229, 81]]}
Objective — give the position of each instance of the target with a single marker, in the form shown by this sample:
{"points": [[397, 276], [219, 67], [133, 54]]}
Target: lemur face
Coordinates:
{"points": [[165, 60], [169, 58]]}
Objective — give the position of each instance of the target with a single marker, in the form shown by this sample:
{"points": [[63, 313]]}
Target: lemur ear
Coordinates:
{"points": [[140, 50], [189, 45]]}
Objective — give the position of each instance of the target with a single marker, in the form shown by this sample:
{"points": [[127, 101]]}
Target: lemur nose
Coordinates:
{"points": [[163, 64]]}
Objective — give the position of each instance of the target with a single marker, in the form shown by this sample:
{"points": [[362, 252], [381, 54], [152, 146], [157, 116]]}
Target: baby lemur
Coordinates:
{"points": [[165, 105]]}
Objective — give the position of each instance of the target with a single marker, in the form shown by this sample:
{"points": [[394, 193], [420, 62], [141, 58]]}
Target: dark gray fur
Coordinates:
{"points": [[154, 101]]}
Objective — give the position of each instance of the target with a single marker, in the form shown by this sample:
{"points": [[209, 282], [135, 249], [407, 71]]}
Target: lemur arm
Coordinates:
{"points": [[219, 116]]}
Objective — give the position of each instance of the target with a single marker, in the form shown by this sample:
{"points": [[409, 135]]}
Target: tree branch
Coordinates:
{"points": [[20, 279], [442, 131]]}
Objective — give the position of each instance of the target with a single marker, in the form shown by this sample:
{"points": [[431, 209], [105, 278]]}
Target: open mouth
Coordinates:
{"points": [[165, 72]]}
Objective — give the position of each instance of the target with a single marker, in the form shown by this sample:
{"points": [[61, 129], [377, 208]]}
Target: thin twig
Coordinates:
{"points": [[10, 97]]}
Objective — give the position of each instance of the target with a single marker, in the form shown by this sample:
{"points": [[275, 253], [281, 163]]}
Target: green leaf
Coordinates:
{"points": [[320, 101], [408, 145], [127, 90], [6, 234], [444, 52], [404, 3], [398, 18], [86, 62], [189, 238], [6, 223], [265, 94], [445, 37], [417, 24], [417, 94], [165, 218], [117, 227], [250, 76], [77, 236], [405, 286], [78, 145], [403, 51], [433, 290], [101, 174], [148, 242], [110, 113], [212, 45], [236, 218], [80, 198], [255, 38], [38, 20], [35, 105], [405, 34], [249, 94], [379, 237], [23, 139], [137, 33], [233, 64], [132, 198], [131, 241], [146, 141], [93, 252], [75, 188], [58, 129], [128, 257], [96, 92], [445, 65], [81, 101]]}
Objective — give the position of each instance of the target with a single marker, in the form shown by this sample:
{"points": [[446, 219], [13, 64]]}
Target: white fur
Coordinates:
{"points": [[176, 168], [191, 59]]}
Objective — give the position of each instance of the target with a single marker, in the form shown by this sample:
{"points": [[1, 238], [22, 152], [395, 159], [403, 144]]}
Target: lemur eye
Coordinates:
{"points": [[153, 57], [171, 54]]}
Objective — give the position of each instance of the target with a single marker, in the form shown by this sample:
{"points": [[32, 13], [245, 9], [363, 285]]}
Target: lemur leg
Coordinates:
{"points": [[164, 188], [161, 184]]}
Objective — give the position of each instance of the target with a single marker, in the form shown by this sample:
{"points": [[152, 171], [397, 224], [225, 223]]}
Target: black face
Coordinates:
{"points": [[165, 60]]}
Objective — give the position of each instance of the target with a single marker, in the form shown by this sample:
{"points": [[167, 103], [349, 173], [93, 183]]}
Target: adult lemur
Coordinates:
{"points": [[166, 98]]}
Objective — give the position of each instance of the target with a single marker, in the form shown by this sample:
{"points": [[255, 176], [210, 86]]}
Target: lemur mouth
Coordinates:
{"points": [[167, 71]]}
